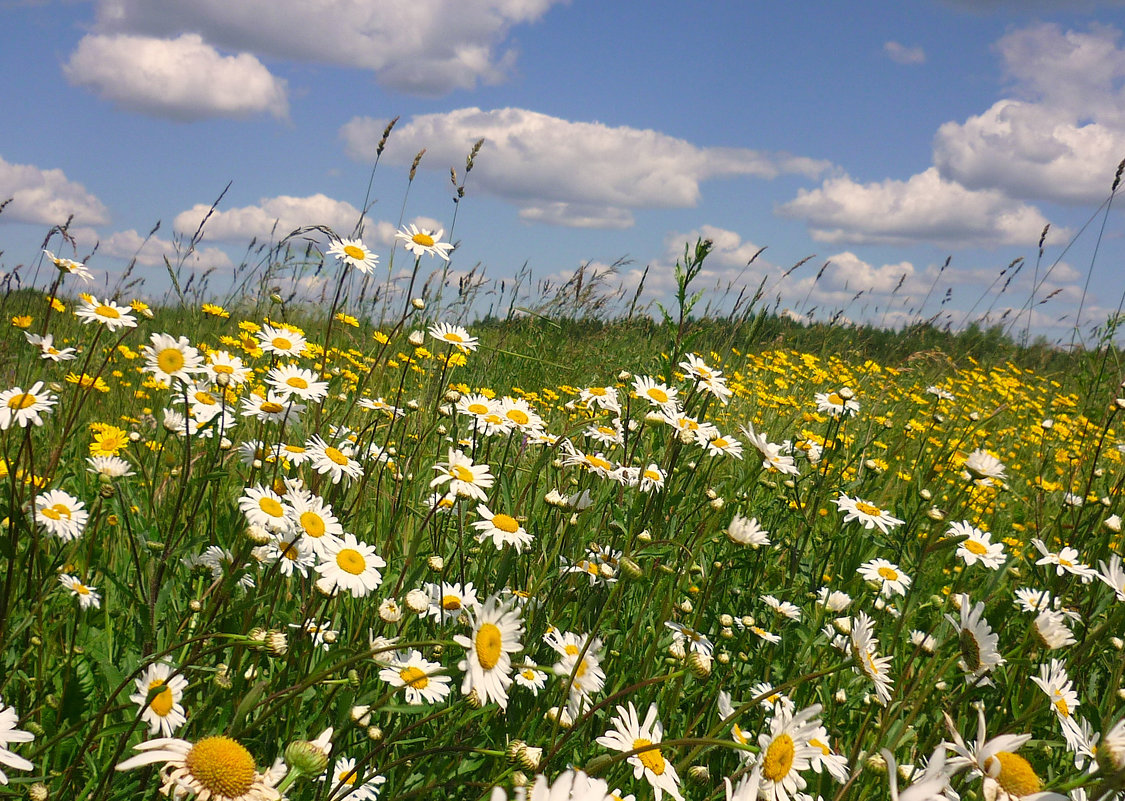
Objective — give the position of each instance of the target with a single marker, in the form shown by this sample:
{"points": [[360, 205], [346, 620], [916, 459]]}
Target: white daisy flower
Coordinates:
{"points": [[454, 335], [1065, 561], [422, 241], [448, 601], [746, 531], [629, 733], [979, 654], [25, 408], [215, 767], [421, 679], [868, 514], [346, 783], [864, 650], [977, 546], [63, 515], [169, 358], [158, 696], [293, 381], [87, 595], [487, 666], [107, 313], [891, 579], [355, 253], [785, 752], [332, 461], [465, 479], [10, 734], [503, 529], [1054, 681], [351, 565], [281, 341]]}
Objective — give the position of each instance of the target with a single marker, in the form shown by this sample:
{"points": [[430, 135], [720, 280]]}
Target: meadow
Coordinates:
{"points": [[268, 549]]}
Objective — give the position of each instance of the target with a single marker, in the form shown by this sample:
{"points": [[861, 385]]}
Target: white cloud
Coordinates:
{"points": [[582, 174], [46, 197], [131, 245], [925, 207], [422, 46], [273, 218], [182, 78], [1062, 136], [901, 54]]}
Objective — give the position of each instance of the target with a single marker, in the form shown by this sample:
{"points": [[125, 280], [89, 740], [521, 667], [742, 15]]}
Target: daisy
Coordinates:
{"points": [[519, 413], [169, 358], [351, 565], [47, 349], [314, 519], [866, 513], [63, 515], [833, 600], [466, 480], [864, 650], [570, 785], [977, 546], [651, 479], [1051, 630], [785, 752], [982, 466], [530, 677], [773, 456], [727, 711], [158, 695], [291, 380], [476, 405], [291, 553], [70, 266], [930, 786], [824, 759], [979, 655], [1007, 775], [263, 507], [1054, 681], [840, 403], [783, 608], [584, 675], [695, 641], [10, 734], [892, 581], [281, 341], [107, 313], [421, 241], [1065, 561], [273, 407], [503, 529], [1113, 576], [420, 678], [628, 733], [723, 446], [448, 601], [329, 460], [658, 395], [602, 397], [87, 595], [355, 253], [454, 335], [216, 767], [1029, 600], [24, 408], [223, 369], [487, 666], [346, 782], [746, 531]]}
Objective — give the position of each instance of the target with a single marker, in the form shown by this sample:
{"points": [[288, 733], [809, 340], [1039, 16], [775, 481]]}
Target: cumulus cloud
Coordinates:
{"points": [[271, 219], [1063, 134], [131, 245], [421, 46], [183, 78], [46, 197], [901, 54], [582, 174], [926, 207]]}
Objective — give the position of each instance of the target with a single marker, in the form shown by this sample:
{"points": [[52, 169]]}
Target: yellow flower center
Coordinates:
{"points": [[973, 546], [824, 749], [271, 507], [81, 588], [335, 455], [56, 511], [170, 360], [519, 417], [652, 758], [719, 442], [507, 524], [351, 561], [269, 407], [657, 394], [454, 337], [107, 311], [289, 551], [21, 401], [888, 574], [597, 391], [281, 343], [462, 473], [652, 475], [1017, 777], [163, 702], [414, 677], [835, 399], [1065, 562], [222, 766], [779, 758], [478, 408], [313, 524], [222, 369], [1062, 708], [868, 509], [297, 382], [488, 643], [352, 252], [450, 603], [348, 777], [423, 239], [597, 461]]}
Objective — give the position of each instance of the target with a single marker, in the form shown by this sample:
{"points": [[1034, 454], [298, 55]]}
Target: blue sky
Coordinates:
{"points": [[880, 137]]}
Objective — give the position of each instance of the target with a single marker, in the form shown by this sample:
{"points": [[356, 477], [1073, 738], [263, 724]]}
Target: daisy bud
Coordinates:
{"points": [[512, 749], [277, 644], [258, 535], [361, 714], [686, 437], [1117, 642], [195, 605], [686, 607], [222, 677], [699, 774], [305, 757], [847, 393], [631, 568], [418, 304], [1047, 424], [644, 536], [935, 514], [558, 714], [716, 504], [925, 495], [1121, 693], [133, 436], [841, 696], [374, 734], [530, 757], [519, 779], [416, 338], [451, 396], [699, 665], [276, 298], [435, 563], [473, 699], [225, 444], [876, 764], [711, 494], [417, 601], [1119, 403], [726, 620], [747, 620], [413, 405], [554, 498], [974, 416], [389, 611], [938, 418], [38, 792], [676, 650], [726, 633], [624, 376], [257, 635], [723, 657], [1113, 523], [941, 685]]}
